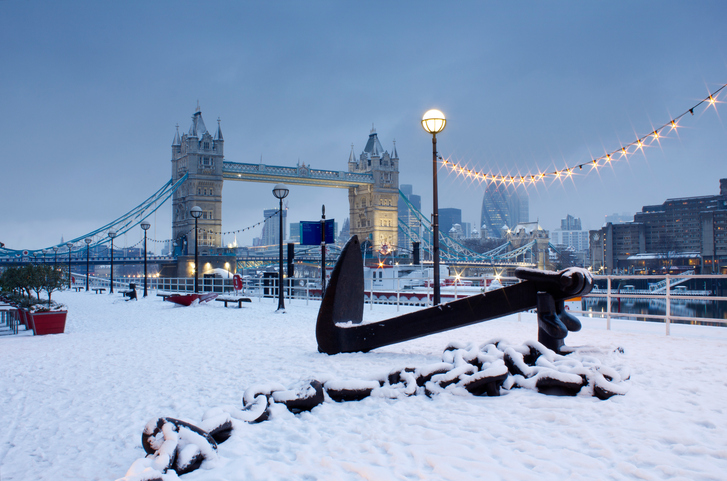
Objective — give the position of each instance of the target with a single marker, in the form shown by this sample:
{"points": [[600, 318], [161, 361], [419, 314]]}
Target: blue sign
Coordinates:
{"points": [[310, 233]]}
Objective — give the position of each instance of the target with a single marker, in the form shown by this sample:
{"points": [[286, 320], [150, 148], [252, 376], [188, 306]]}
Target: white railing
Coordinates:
{"points": [[669, 296], [418, 292]]}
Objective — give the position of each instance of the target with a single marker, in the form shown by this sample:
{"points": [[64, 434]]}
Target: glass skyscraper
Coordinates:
{"points": [[503, 207]]}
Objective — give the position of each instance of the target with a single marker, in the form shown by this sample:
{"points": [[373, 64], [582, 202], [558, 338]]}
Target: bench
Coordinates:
{"points": [[77, 288], [164, 295], [99, 290], [238, 300]]}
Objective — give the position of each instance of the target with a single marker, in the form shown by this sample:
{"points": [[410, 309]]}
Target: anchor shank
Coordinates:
{"points": [[444, 317]]}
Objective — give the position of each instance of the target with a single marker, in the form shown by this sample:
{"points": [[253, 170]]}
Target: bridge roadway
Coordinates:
{"points": [[331, 259], [300, 175], [9, 261]]}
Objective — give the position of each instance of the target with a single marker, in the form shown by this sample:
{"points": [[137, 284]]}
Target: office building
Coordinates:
{"points": [[294, 232], [570, 234], [448, 217], [570, 223], [503, 207], [407, 217], [682, 234], [271, 227]]}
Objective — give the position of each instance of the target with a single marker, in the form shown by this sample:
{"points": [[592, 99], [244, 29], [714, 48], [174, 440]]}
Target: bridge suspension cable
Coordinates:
{"points": [[452, 251], [122, 225]]}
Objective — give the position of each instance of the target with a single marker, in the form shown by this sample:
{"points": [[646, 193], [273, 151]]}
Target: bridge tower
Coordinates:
{"points": [[199, 155], [373, 207]]}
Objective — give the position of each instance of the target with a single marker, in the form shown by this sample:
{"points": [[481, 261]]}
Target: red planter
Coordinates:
{"points": [[53, 322], [25, 318]]}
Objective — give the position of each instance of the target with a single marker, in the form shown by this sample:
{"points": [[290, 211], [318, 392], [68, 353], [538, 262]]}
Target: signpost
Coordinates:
{"points": [[323, 251], [310, 232], [319, 233]]}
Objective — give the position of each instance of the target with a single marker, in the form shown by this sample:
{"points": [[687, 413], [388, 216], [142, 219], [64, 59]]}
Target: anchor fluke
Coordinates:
{"points": [[343, 300]]}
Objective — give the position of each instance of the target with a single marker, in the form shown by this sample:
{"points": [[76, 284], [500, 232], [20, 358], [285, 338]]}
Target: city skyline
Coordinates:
{"points": [[97, 90]]}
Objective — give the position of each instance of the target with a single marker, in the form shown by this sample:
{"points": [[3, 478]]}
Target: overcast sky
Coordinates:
{"points": [[92, 91]]}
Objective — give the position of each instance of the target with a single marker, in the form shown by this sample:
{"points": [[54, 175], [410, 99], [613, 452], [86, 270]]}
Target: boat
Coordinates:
{"points": [[412, 284], [188, 299]]}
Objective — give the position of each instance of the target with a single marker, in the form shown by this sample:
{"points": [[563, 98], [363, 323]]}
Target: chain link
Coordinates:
{"points": [[466, 369]]}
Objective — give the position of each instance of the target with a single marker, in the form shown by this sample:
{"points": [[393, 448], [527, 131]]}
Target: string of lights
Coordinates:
{"points": [[621, 153], [212, 232], [254, 225]]}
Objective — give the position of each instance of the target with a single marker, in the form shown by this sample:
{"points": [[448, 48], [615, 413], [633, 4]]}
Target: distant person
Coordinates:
{"points": [[131, 293]]}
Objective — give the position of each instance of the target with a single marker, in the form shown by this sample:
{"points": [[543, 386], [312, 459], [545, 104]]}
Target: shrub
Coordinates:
{"points": [[18, 282]]}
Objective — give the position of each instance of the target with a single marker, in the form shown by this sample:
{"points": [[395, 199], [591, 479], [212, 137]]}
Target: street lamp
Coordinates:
{"points": [[55, 256], [88, 241], [280, 191], [112, 234], [196, 212], [433, 122], [145, 225], [70, 246]]}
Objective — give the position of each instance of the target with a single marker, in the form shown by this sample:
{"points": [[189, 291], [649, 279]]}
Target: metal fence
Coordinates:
{"points": [[667, 299], [664, 295]]}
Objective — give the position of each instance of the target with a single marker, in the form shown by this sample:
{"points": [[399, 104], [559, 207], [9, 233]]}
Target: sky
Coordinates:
{"points": [[92, 92]]}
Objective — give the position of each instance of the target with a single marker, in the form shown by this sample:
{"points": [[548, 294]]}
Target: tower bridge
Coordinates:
{"points": [[372, 181], [199, 171]]}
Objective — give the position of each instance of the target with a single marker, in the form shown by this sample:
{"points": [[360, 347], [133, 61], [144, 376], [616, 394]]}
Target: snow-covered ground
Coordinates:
{"points": [[73, 406]]}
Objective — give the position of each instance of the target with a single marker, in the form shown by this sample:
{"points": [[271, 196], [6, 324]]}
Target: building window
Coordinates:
{"points": [[206, 145]]}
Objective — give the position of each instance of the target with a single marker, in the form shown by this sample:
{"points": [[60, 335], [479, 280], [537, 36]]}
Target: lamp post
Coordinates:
{"points": [[112, 234], [55, 256], [88, 241], [145, 225], [280, 191], [196, 212], [433, 122], [70, 246]]}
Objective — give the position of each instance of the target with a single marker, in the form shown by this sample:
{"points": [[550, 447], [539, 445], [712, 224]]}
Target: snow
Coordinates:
{"points": [[74, 405]]}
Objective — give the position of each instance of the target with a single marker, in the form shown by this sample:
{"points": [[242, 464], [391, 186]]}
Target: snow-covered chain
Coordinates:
{"points": [[176, 447]]}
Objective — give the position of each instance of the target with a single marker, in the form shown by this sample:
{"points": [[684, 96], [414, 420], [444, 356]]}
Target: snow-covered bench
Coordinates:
{"points": [[238, 299]]}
